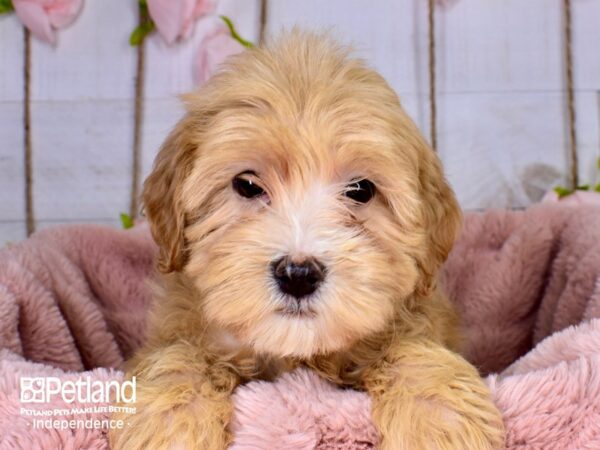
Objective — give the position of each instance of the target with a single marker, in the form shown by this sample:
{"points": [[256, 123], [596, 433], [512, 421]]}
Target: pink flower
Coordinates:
{"points": [[576, 198], [42, 16], [216, 46], [174, 18]]}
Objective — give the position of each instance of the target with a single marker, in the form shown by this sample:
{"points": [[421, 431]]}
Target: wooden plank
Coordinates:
{"points": [[506, 150], [82, 161], [586, 38], [93, 58], [12, 177], [11, 59], [82, 116], [12, 232], [496, 45], [587, 114], [389, 35], [500, 45], [160, 116], [501, 77], [510, 45]]}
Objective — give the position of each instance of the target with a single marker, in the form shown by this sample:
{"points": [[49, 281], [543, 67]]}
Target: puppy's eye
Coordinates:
{"points": [[245, 185], [360, 191]]}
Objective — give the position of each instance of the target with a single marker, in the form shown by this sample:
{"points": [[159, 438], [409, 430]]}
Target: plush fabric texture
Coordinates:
{"points": [[75, 297], [527, 284], [16, 430]]}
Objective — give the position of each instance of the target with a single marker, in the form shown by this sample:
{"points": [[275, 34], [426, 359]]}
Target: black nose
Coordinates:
{"points": [[298, 279]]}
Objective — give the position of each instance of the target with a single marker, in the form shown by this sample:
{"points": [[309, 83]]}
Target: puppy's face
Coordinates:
{"points": [[300, 200]]}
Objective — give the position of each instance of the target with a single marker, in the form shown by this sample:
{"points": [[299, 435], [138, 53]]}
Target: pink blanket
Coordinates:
{"points": [[72, 304]]}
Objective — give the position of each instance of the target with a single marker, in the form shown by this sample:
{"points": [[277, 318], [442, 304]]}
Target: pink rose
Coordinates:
{"points": [[42, 16], [216, 46], [174, 18], [576, 198]]}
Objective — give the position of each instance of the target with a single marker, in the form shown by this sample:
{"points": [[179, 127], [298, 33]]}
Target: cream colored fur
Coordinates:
{"points": [[308, 119]]}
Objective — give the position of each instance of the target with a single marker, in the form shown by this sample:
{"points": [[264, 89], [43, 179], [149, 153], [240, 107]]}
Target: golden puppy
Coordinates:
{"points": [[301, 219]]}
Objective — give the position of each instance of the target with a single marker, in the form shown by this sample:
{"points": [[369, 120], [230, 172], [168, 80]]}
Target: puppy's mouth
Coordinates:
{"points": [[300, 308]]}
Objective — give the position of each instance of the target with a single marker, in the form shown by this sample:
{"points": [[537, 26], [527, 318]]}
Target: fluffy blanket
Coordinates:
{"points": [[527, 284]]}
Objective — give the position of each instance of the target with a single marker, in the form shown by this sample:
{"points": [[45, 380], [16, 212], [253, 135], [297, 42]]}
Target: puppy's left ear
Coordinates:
{"points": [[162, 196], [441, 215]]}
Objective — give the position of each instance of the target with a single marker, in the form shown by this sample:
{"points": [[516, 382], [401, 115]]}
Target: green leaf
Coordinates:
{"points": [[6, 6], [234, 33], [137, 36], [144, 12], [562, 191], [140, 33], [126, 221], [583, 187], [597, 188]]}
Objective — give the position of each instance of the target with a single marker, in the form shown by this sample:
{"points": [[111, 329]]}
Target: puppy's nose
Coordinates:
{"points": [[298, 279]]}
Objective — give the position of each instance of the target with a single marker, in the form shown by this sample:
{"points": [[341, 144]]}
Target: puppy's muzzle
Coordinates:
{"points": [[298, 278]]}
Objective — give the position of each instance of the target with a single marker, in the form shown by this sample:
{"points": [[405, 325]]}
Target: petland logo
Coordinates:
{"points": [[83, 390]]}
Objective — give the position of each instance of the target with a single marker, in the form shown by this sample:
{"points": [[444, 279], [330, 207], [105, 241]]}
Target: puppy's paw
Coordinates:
{"points": [[432, 399], [181, 402], [175, 411], [428, 424], [177, 429]]}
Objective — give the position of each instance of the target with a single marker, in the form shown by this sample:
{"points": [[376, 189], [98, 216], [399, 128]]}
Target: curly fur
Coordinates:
{"points": [[307, 118]]}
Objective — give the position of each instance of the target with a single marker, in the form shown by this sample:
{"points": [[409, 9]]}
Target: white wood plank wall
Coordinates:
{"points": [[502, 130]]}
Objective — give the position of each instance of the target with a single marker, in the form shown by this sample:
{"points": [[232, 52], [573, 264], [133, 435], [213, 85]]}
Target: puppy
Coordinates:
{"points": [[301, 220]]}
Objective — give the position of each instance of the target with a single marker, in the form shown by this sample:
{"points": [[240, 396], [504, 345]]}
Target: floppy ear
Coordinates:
{"points": [[441, 215], [162, 197]]}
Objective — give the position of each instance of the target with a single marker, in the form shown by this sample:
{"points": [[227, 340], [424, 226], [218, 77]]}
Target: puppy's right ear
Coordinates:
{"points": [[162, 196]]}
